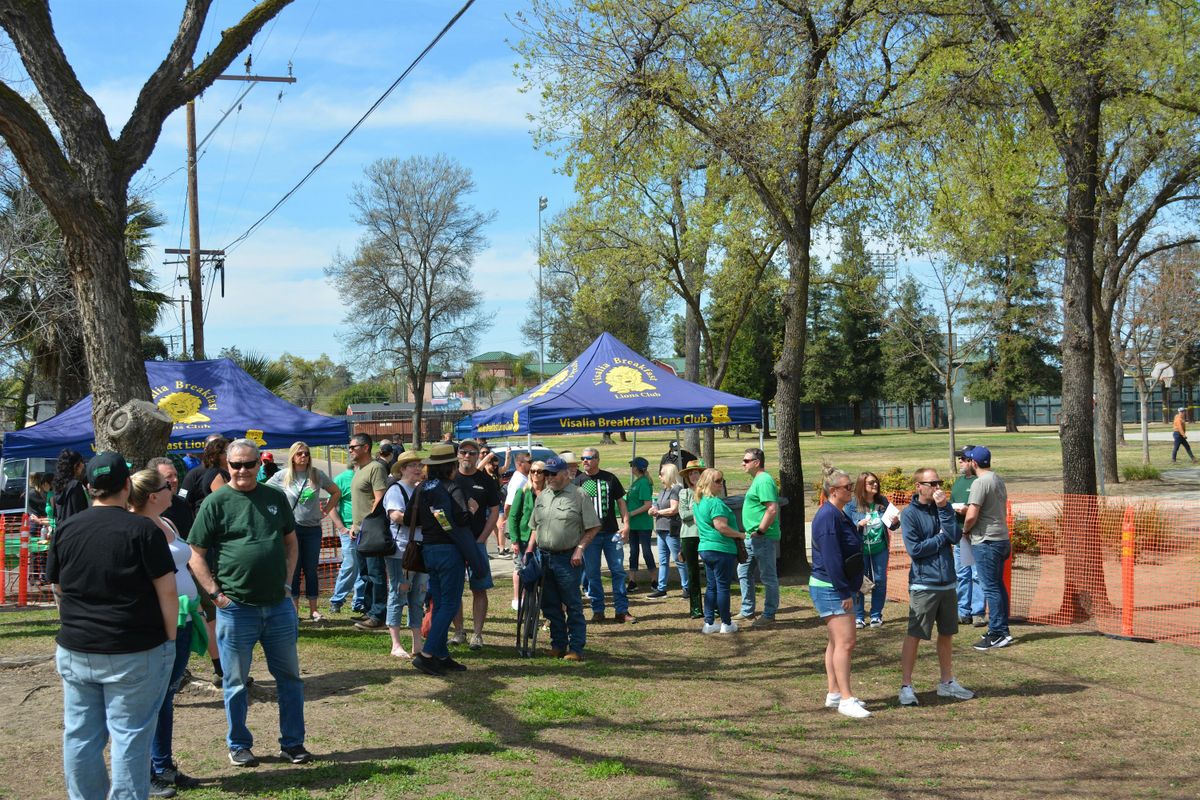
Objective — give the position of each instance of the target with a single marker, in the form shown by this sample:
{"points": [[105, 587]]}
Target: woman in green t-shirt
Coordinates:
{"points": [[718, 549], [519, 515], [639, 500], [866, 510]]}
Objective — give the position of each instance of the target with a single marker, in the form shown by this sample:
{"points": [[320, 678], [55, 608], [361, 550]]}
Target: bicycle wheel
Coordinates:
{"points": [[528, 619]]}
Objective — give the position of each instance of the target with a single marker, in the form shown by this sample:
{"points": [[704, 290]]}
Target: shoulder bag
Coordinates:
{"points": [[414, 558], [375, 532]]}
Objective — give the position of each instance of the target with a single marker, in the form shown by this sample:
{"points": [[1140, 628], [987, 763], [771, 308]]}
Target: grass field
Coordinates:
{"points": [[659, 711]]}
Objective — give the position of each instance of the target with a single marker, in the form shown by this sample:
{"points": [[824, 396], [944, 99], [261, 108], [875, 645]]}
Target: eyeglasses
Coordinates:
{"points": [[589, 458], [748, 460], [355, 446], [845, 486], [872, 483], [302, 453], [471, 453], [161, 488], [537, 472], [243, 464], [929, 483]]}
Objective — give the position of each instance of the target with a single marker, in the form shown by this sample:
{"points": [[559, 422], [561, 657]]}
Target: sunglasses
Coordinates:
{"points": [[930, 483], [589, 458], [471, 453], [537, 472], [845, 486], [243, 464], [748, 460], [718, 480], [161, 488], [355, 446]]}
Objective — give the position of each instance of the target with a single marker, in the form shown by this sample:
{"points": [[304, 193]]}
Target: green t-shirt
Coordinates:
{"points": [[342, 481], [247, 529], [762, 491], [705, 511], [639, 494], [368, 480], [960, 492]]}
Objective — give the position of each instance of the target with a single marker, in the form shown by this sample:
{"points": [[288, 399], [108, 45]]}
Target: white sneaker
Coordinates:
{"points": [[907, 696], [730, 628], [459, 638], [710, 628], [515, 605], [832, 699], [476, 642], [851, 707], [953, 688]]}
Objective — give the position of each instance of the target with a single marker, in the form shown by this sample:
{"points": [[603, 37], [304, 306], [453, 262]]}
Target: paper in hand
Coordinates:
{"points": [[890, 515], [965, 557]]}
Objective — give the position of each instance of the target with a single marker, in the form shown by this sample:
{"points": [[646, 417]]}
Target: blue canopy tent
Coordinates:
{"points": [[203, 397], [609, 387]]}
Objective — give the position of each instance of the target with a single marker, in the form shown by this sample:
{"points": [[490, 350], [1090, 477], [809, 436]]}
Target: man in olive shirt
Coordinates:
{"points": [[366, 488], [252, 526], [986, 523], [564, 522]]}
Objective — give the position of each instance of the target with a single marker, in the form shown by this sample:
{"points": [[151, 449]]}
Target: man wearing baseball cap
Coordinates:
{"points": [[970, 590], [114, 578], [986, 523], [564, 522]]}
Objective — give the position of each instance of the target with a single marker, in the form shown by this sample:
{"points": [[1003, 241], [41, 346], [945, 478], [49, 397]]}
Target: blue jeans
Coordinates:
{"points": [[1181, 441], [640, 540], [970, 590], [719, 568], [375, 589], [113, 695], [348, 578], [990, 558], [876, 565], [160, 749], [614, 553], [239, 628], [764, 555], [668, 551], [446, 577], [413, 596], [560, 582], [308, 540]]}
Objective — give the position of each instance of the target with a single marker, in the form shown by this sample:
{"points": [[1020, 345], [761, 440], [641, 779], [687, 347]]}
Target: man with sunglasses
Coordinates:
{"points": [[986, 523], [252, 526], [929, 531], [607, 494], [481, 488], [760, 522]]}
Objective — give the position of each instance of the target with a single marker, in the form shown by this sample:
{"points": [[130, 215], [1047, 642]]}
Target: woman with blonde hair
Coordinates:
{"points": [[302, 483], [667, 527], [149, 496], [836, 577], [718, 549]]}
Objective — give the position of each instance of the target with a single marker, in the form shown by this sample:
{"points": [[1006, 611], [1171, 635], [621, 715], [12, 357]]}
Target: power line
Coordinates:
{"points": [[233, 244]]}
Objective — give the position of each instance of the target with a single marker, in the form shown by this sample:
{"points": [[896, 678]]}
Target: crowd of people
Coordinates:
{"points": [[148, 568]]}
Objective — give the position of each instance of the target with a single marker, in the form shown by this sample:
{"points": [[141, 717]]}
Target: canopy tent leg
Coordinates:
{"points": [[328, 462], [634, 447], [760, 437]]}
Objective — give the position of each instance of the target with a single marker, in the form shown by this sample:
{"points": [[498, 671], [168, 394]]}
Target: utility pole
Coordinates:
{"points": [[183, 320], [195, 283]]}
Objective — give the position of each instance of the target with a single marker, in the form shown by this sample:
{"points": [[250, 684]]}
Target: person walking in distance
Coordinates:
{"points": [[986, 523], [760, 521], [1180, 435], [929, 532]]}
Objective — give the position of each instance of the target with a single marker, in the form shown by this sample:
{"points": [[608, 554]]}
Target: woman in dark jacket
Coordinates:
{"points": [[832, 586], [70, 496], [867, 510], [443, 508]]}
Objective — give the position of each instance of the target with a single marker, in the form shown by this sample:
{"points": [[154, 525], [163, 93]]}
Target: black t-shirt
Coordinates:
{"points": [[204, 486], [105, 560], [483, 489], [181, 514], [605, 490], [189, 485], [70, 501]]}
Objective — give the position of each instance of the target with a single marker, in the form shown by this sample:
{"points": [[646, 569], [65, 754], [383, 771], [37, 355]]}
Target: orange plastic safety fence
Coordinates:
{"points": [[1125, 566]]}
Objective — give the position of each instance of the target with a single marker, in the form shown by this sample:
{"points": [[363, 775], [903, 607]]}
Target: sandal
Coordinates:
{"points": [[315, 616]]}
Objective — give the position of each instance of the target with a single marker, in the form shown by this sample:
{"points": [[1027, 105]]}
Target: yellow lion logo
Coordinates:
{"points": [[626, 380], [183, 407], [720, 414], [555, 380], [256, 436]]}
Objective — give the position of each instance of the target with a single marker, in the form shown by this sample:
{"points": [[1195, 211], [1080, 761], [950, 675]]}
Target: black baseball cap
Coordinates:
{"points": [[107, 472]]}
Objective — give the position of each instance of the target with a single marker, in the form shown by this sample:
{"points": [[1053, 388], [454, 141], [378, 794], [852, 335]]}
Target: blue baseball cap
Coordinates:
{"points": [[554, 465], [980, 455], [640, 463]]}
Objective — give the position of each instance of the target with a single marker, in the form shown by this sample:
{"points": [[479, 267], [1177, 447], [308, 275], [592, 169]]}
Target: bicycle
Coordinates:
{"points": [[529, 602]]}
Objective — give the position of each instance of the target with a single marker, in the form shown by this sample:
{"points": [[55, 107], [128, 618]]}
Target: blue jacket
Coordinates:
{"points": [[851, 510], [834, 539], [929, 537]]}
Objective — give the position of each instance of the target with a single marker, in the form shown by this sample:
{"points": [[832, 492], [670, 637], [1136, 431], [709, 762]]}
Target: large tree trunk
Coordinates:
{"points": [[1108, 401], [789, 371], [1010, 415], [856, 414], [912, 417], [817, 420], [418, 413], [100, 275], [710, 445]]}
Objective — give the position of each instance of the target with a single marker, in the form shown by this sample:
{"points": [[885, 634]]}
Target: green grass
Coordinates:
{"points": [[556, 705], [1140, 472]]}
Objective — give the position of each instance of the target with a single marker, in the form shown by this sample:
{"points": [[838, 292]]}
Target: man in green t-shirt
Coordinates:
{"points": [[348, 579], [252, 526], [970, 590], [760, 522]]}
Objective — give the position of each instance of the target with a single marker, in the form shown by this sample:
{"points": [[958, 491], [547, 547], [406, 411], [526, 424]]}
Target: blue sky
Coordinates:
{"points": [[462, 100]]}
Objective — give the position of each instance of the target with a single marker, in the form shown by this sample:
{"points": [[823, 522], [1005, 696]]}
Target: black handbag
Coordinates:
{"points": [[375, 533], [414, 556]]}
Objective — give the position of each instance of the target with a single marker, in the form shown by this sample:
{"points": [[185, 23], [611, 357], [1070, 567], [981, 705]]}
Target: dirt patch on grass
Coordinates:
{"points": [[660, 711]]}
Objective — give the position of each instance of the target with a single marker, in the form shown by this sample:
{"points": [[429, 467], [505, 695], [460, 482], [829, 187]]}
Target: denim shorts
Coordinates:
{"points": [[826, 601], [481, 583]]}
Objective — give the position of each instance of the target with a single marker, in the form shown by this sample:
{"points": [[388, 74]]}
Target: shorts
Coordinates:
{"points": [[480, 583], [927, 605], [826, 601]]}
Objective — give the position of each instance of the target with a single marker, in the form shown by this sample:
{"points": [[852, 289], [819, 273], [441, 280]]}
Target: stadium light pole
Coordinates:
{"points": [[542, 203]]}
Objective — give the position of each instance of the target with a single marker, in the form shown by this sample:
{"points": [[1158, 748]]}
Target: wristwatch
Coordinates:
{"points": [[215, 595]]}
